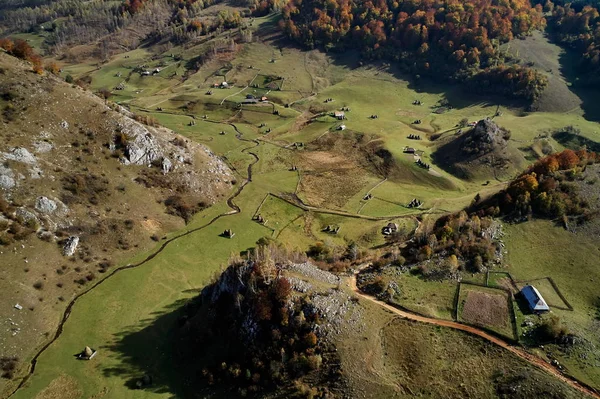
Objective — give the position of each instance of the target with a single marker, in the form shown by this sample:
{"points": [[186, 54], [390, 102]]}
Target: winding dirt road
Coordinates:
{"points": [[531, 359]]}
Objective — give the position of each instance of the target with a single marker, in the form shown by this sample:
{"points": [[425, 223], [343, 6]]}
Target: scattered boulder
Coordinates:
{"points": [[26, 216], [7, 178], [42, 146], [45, 205], [64, 125], [70, 246]]}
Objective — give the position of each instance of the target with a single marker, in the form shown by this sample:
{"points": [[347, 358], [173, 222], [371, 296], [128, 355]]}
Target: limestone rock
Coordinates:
{"points": [[45, 205], [167, 165], [70, 246], [7, 178], [141, 147], [42, 146], [20, 154], [64, 124], [26, 216]]}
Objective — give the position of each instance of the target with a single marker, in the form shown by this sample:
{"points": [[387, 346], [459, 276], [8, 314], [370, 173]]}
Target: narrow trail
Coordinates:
{"points": [[369, 192], [298, 203], [528, 357], [235, 209]]}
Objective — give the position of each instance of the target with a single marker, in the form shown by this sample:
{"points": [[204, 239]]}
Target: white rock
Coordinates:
{"points": [[166, 165], [7, 182], [20, 154], [42, 146], [70, 246], [45, 205]]}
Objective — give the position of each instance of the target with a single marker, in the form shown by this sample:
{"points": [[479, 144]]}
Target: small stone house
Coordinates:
{"points": [[339, 115]]}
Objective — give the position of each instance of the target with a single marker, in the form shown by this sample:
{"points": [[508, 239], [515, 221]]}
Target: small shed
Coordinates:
{"points": [[263, 98], [341, 127], [409, 150], [389, 229], [87, 353], [340, 115], [228, 233], [534, 299]]}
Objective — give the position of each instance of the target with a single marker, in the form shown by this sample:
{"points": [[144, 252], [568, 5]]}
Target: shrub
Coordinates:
{"points": [[182, 207], [38, 285], [310, 340], [53, 68], [551, 329], [8, 366]]}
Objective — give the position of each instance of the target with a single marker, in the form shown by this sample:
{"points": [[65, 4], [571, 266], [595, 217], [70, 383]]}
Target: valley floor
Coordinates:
{"points": [[297, 168]]}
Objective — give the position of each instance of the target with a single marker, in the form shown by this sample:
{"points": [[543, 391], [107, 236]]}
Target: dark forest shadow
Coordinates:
{"points": [[150, 356], [590, 97]]}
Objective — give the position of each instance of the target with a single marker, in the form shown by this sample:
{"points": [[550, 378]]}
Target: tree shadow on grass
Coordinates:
{"points": [[454, 94], [569, 68], [147, 354]]}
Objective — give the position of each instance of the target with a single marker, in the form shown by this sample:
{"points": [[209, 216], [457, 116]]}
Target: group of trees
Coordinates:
{"points": [[577, 25], [456, 241], [450, 38], [21, 49], [546, 188], [66, 24], [257, 333]]}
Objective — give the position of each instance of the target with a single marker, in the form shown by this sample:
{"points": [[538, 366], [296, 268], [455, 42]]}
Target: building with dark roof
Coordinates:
{"points": [[534, 299]]}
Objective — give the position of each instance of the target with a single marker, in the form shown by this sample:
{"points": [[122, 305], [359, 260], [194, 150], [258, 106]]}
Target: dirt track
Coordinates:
{"points": [[532, 359]]}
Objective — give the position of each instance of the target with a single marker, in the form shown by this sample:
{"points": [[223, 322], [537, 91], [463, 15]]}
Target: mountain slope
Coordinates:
{"points": [[82, 187]]}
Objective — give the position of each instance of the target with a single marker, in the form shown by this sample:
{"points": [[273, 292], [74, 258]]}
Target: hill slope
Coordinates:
{"points": [[82, 187], [482, 152]]}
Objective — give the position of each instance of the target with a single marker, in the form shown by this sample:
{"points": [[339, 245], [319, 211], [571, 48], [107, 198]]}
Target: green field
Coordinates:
{"points": [[537, 249], [128, 326]]}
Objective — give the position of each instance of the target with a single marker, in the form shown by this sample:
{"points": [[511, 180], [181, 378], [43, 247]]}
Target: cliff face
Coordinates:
{"points": [[82, 187]]}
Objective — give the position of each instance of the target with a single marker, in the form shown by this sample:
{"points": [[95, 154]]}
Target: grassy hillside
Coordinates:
{"points": [[305, 175], [60, 179]]}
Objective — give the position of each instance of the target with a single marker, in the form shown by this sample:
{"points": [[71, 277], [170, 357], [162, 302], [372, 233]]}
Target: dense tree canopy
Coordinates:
{"points": [[450, 38], [577, 25]]}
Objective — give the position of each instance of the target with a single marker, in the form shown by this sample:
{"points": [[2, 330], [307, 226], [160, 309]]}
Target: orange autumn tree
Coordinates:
{"points": [[21, 49], [542, 189], [440, 38]]}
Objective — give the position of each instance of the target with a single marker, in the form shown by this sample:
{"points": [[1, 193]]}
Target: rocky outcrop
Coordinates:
{"points": [[142, 150], [19, 154], [485, 137], [70, 246], [26, 216]]}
